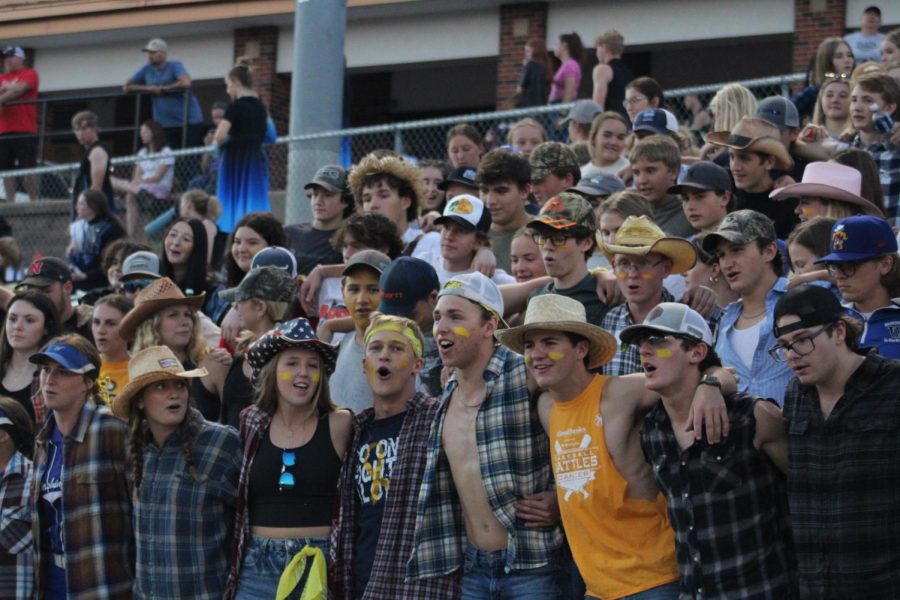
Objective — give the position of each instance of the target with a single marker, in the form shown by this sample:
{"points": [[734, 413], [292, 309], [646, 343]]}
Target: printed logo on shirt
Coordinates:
{"points": [[375, 463], [893, 331], [576, 461]]}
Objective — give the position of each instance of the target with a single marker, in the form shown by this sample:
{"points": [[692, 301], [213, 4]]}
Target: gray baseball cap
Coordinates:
{"points": [[140, 265], [331, 177], [670, 318], [602, 184], [583, 112], [373, 259], [779, 111]]}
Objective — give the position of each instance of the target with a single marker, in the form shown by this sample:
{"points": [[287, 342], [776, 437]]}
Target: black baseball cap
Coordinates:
{"points": [[703, 175], [813, 304], [46, 271], [462, 175]]}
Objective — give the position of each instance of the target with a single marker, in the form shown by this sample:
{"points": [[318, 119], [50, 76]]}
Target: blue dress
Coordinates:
{"points": [[243, 184]]}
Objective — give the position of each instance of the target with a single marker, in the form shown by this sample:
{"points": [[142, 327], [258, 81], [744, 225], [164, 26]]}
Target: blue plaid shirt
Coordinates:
{"points": [[186, 556], [766, 378], [16, 551], [627, 359], [515, 463], [887, 158]]}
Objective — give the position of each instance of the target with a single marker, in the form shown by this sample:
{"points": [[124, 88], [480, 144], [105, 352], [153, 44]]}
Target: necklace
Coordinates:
{"points": [[759, 314]]}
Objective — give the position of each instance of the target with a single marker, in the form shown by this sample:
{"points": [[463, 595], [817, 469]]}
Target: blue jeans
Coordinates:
{"points": [[485, 578], [264, 561], [668, 591]]}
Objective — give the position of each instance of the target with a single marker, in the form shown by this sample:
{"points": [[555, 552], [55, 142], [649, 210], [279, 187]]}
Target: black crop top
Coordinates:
{"points": [[311, 502]]}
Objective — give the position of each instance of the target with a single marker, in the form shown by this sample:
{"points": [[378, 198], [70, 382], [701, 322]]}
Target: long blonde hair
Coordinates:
{"points": [[730, 105], [818, 113], [147, 334]]}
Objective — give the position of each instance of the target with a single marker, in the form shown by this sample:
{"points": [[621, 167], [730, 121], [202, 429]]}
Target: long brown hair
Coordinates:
{"points": [[540, 55], [51, 322], [267, 388]]}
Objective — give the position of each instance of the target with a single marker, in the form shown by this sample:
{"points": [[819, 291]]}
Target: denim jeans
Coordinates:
{"points": [[485, 578], [264, 561], [668, 591]]}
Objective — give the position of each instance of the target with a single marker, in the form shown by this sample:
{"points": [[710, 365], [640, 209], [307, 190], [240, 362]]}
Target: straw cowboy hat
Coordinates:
{"points": [[560, 313], [156, 363], [832, 181], [755, 135], [158, 295], [640, 236]]}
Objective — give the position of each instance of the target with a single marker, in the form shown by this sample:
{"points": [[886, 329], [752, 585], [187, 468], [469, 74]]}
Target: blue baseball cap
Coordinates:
{"points": [[275, 256], [656, 120], [404, 283], [65, 355], [859, 238]]}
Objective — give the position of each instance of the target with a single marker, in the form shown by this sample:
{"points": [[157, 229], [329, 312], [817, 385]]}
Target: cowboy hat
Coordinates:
{"points": [[560, 313], [640, 236], [754, 135], [832, 181], [158, 295], [156, 363], [296, 333]]}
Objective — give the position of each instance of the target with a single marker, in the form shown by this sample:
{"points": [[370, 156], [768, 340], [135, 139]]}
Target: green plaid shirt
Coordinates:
{"points": [[515, 463]]}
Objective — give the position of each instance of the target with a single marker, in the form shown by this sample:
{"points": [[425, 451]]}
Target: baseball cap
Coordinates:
{"points": [[814, 304], [462, 175], [565, 211], [602, 184], [583, 111], [404, 283], [46, 271], [549, 157], [468, 211], [367, 258], [140, 265], [155, 45], [872, 9], [779, 111], [14, 51], [275, 256], [65, 355], [476, 288], [703, 175], [331, 177], [657, 120], [670, 318], [741, 227], [264, 283], [858, 238]]}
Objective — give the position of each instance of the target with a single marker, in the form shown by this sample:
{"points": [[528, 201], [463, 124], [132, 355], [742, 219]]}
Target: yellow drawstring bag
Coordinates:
{"points": [[316, 587]]}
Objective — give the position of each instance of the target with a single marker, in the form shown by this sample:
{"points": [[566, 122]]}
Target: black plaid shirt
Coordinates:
{"points": [[728, 506], [844, 484]]}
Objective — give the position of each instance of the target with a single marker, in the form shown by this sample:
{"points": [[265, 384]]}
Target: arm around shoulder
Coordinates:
{"points": [[340, 422]]}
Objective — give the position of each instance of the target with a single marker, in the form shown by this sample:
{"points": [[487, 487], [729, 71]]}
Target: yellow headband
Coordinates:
{"points": [[406, 331]]}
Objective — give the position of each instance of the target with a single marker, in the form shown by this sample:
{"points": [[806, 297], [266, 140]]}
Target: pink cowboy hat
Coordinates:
{"points": [[833, 181]]}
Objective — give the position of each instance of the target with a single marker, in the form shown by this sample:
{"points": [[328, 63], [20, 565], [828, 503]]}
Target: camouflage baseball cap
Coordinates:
{"points": [[264, 283], [549, 157], [565, 211], [741, 227]]}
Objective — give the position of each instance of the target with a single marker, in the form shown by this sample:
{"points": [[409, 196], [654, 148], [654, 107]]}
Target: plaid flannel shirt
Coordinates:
{"points": [[96, 505], [844, 484], [187, 556], [515, 463], [728, 506], [887, 158], [627, 359], [16, 553], [254, 424], [394, 547]]}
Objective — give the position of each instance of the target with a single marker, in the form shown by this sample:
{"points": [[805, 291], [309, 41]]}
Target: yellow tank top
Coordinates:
{"points": [[621, 545]]}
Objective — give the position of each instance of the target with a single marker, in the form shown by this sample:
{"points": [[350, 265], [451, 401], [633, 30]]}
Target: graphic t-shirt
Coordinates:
{"points": [[113, 377], [51, 516], [374, 466]]}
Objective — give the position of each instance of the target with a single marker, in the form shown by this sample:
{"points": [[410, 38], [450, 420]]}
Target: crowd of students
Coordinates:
{"points": [[650, 371]]}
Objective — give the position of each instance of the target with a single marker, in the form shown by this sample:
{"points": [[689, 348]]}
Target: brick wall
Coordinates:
{"points": [[815, 20], [518, 23], [261, 45]]}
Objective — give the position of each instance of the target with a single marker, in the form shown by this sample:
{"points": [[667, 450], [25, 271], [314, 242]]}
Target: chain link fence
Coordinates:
{"points": [[41, 227]]}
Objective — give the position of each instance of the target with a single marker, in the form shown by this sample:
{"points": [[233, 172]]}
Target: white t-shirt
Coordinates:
{"points": [[590, 169], [331, 303], [744, 342], [500, 277]]}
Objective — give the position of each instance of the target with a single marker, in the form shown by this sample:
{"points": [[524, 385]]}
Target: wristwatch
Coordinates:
{"points": [[711, 380]]}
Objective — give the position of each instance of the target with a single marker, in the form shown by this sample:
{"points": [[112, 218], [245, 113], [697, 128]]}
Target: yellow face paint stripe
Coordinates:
{"points": [[462, 332], [555, 356]]}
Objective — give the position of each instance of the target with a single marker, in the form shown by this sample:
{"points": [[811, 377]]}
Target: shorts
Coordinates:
{"points": [[17, 151]]}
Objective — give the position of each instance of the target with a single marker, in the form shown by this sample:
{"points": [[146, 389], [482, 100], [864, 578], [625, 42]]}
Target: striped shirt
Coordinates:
{"points": [[728, 506], [515, 463], [887, 159], [187, 556], [16, 552], [844, 484]]}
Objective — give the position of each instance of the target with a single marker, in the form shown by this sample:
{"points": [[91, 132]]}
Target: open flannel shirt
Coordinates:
{"points": [[887, 158], [515, 463], [386, 581], [728, 506], [96, 505], [182, 526], [16, 567], [844, 484], [627, 359]]}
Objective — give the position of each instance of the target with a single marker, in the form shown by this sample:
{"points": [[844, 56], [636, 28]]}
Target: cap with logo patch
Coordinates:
{"points": [[656, 120], [332, 178], [46, 271], [404, 283], [566, 211], [275, 256], [461, 175], [549, 157], [65, 355], [476, 288], [467, 211], [859, 238], [140, 265]]}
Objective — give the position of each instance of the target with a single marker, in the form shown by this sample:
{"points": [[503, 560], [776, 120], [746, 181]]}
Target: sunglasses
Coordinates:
{"points": [[836, 76], [286, 479], [135, 285]]}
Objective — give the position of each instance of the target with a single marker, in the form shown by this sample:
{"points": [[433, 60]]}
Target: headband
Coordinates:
{"points": [[404, 330]]}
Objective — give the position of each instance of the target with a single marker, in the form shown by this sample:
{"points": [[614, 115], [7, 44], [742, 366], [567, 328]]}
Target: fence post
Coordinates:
{"points": [[43, 133], [184, 118], [135, 138]]}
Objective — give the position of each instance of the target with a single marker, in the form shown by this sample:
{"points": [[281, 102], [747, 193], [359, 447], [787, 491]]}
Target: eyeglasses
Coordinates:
{"points": [[135, 285], [640, 266], [286, 479], [557, 241], [632, 101], [845, 269], [800, 347]]}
